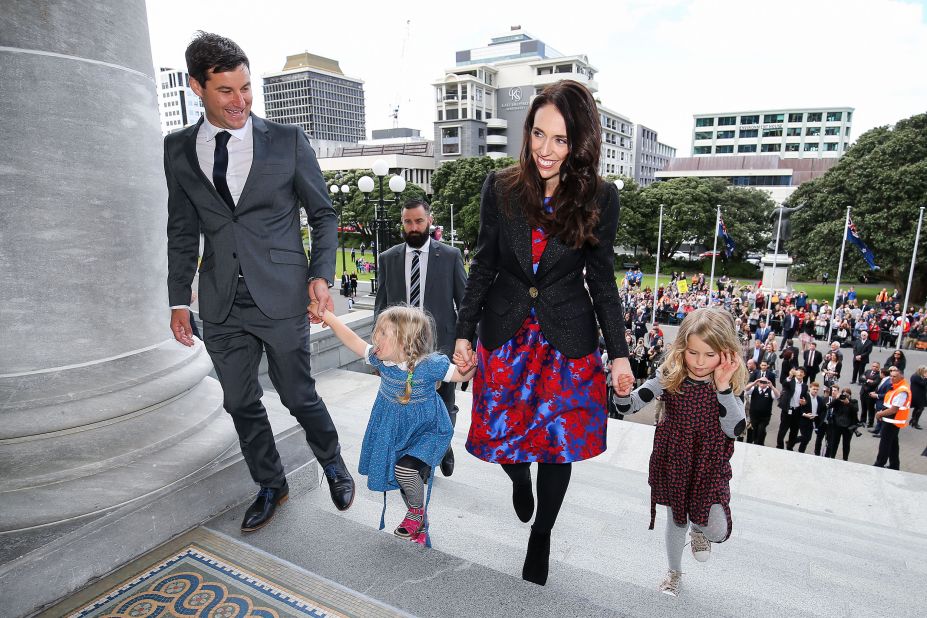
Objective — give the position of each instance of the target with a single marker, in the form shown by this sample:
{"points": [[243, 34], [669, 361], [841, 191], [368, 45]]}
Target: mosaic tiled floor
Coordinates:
{"points": [[203, 574]]}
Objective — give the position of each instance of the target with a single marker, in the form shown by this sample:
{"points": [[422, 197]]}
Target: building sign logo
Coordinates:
{"points": [[515, 94]]}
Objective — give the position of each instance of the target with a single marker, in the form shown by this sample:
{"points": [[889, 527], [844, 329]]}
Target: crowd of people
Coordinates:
{"points": [[779, 335]]}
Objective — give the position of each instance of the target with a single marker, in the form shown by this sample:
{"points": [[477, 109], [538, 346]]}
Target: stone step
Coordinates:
{"points": [[812, 536]]}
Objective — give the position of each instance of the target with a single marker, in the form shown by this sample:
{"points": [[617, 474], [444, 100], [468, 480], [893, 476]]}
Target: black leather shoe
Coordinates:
{"points": [[447, 464], [340, 484], [262, 510]]}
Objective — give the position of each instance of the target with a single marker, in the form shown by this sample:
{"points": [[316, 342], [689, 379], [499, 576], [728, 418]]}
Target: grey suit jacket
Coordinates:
{"points": [[261, 237], [445, 282]]}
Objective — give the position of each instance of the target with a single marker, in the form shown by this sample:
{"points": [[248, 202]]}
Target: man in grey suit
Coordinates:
{"points": [[240, 180], [427, 274]]}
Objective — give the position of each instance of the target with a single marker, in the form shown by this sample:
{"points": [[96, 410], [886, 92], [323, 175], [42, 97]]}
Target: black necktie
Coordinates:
{"points": [[220, 165], [414, 280]]}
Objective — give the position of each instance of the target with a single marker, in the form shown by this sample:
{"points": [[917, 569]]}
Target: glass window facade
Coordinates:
{"points": [[746, 148], [834, 116], [813, 117], [792, 131], [725, 135], [700, 150], [752, 119], [727, 121], [724, 149], [450, 140], [812, 131], [770, 118], [796, 117], [703, 134], [777, 132], [704, 122], [749, 133], [771, 148]]}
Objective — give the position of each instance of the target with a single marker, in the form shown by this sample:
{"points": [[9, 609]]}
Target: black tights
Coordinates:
{"points": [[553, 480]]}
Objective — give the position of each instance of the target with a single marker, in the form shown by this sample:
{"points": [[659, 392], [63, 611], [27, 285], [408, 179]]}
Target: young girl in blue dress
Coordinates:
{"points": [[699, 385], [409, 429]]}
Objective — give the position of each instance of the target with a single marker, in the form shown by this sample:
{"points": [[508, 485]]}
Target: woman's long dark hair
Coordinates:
{"points": [[576, 210]]}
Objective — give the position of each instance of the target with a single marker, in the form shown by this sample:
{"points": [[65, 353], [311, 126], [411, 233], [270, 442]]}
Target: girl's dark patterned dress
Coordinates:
{"points": [[690, 467]]}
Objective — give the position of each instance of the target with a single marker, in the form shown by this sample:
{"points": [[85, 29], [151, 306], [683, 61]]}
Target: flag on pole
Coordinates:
{"points": [[728, 241], [853, 237]]}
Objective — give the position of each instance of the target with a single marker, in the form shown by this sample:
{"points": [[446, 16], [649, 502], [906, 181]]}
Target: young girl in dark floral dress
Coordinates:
{"points": [[699, 383]]}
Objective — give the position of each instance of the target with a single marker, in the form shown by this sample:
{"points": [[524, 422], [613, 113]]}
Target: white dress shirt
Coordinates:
{"points": [[241, 154], [422, 271]]}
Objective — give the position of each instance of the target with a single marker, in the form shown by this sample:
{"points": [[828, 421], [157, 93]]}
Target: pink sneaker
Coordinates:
{"points": [[410, 527], [421, 535]]}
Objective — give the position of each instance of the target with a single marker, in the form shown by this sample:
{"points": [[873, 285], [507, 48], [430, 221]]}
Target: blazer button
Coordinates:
{"points": [[234, 256], [533, 292]]}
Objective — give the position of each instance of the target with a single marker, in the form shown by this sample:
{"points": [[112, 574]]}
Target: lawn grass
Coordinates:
{"points": [[811, 288]]}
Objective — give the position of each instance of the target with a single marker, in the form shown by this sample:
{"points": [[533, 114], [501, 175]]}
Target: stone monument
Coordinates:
{"points": [[776, 261]]}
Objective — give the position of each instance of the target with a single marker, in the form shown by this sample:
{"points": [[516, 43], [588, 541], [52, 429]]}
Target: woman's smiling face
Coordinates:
{"points": [[549, 144]]}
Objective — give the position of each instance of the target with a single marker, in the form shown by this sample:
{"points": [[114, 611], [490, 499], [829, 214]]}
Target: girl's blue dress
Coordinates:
{"points": [[420, 428]]}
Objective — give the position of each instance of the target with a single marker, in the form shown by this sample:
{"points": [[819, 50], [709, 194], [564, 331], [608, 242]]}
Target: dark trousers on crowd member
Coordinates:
{"points": [[867, 415], [235, 347], [888, 447], [757, 434], [825, 432], [788, 423], [859, 369], [806, 432], [840, 434]]}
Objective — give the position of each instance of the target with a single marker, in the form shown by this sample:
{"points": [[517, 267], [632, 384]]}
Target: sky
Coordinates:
{"points": [[658, 61]]}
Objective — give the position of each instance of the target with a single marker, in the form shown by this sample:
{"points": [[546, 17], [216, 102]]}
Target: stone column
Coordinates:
{"points": [[102, 415]]}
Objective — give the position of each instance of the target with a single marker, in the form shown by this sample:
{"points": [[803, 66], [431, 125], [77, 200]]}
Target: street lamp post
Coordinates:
{"points": [[342, 201], [397, 185]]}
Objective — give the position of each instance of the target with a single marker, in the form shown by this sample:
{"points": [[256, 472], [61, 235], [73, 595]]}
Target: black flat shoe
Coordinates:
{"points": [[263, 508], [447, 464], [340, 484], [537, 558]]}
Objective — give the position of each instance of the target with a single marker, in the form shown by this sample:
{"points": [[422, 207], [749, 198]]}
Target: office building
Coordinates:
{"points": [[796, 133], [178, 105], [482, 102], [650, 155], [314, 93]]}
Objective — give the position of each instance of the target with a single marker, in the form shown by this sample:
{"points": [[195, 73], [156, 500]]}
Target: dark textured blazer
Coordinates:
{"points": [[261, 237], [445, 282], [502, 287]]}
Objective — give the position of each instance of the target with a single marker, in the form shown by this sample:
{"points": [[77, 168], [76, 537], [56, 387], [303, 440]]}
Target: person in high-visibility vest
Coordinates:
{"points": [[894, 417]]}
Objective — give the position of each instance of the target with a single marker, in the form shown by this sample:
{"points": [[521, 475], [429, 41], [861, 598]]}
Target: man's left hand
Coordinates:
{"points": [[318, 291]]}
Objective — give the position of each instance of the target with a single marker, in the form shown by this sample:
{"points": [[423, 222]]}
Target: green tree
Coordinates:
{"points": [[459, 182], [689, 215], [359, 212], [883, 177]]}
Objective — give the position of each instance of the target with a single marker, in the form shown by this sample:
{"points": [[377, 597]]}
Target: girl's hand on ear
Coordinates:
{"points": [[725, 370]]}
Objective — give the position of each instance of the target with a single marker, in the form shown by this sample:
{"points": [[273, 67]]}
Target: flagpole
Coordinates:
{"points": [[833, 309], [714, 252], [776, 252], [907, 292], [656, 277]]}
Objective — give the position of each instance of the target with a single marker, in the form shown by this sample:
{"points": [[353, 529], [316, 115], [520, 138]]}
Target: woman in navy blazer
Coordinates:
{"points": [[541, 285]]}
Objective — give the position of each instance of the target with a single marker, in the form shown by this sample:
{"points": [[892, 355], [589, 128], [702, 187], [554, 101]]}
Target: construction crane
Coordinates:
{"points": [[394, 108]]}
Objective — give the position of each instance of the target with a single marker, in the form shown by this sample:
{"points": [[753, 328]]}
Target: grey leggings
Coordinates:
{"points": [[716, 531]]}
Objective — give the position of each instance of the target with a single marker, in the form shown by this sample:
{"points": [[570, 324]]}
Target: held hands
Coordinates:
{"points": [[725, 370], [320, 301], [463, 356], [180, 326], [622, 377]]}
